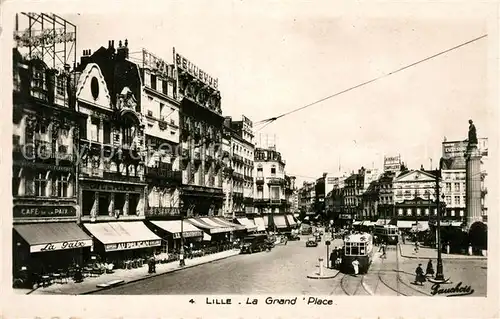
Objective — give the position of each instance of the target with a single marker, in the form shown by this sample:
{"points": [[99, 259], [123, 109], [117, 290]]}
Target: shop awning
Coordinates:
{"points": [[421, 226], [259, 221], [53, 236], [223, 221], [291, 221], [406, 223], [381, 222], [207, 237], [279, 221], [124, 235], [208, 226], [356, 223], [368, 223], [174, 227], [249, 225]]}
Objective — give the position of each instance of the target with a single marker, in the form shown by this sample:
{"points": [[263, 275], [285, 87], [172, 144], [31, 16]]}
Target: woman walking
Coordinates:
{"points": [[430, 269]]}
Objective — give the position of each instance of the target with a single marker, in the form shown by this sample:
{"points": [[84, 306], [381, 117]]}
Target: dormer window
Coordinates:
{"points": [[38, 79]]}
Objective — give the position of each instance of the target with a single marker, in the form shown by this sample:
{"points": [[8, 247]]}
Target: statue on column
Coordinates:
{"points": [[472, 134]]}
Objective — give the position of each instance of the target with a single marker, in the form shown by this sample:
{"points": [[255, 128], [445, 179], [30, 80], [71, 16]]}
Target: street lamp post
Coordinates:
{"points": [[182, 263], [439, 267]]}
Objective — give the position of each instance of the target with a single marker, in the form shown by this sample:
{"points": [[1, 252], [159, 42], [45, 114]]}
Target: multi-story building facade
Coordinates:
{"points": [[238, 183], [160, 110], [354, 186], [269, 194], [307, 197], [44, 172], [45, 149], [385, 206], [112, 184], [201, 123], [414, 197], [453, 178], [319, 200], [370, 200]]}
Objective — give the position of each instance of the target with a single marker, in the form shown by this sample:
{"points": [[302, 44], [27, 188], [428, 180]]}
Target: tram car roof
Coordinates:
{"points": [[359, 238]]}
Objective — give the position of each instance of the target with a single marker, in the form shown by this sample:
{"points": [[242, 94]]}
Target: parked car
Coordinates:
{"points": [[254, 243], [293, 236], [311, 242], [318, 238]]}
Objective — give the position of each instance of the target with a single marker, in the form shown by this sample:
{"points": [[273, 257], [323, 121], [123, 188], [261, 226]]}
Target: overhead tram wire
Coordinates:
{"points": [[273, 119]]}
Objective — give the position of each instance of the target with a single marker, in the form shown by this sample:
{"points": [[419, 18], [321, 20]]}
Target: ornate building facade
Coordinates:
{"points": [[201, 123], [44, 172]]}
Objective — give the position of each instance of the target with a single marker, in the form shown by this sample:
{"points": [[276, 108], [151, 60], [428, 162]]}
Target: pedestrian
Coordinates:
{"points": [[430, 269], [333, 257], [383, 251], [355, 265], [417, 246], [419, 275]]}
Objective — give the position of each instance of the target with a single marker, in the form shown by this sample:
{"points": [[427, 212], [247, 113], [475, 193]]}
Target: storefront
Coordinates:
{"points": [[119, 241], [279, 223], [170, 231], [44, 248]]}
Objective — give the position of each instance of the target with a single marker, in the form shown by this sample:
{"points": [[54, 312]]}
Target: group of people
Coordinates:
{"points": [[336, 257], [420, 276]]}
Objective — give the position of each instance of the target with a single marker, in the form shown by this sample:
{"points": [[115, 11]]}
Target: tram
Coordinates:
{"points": [[360, 247], [386, 233]]}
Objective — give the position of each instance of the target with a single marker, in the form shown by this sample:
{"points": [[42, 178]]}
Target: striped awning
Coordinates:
{"points": [[223, 221], [259, 221], [249, 225], [208, 227], [280, 221], [291, 220]]}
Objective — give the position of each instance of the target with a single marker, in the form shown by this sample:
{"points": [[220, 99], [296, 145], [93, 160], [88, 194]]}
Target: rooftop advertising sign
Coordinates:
{"points": [[184, 64], [392, 163]]}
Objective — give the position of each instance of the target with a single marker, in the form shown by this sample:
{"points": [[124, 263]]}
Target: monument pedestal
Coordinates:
{"points": [[473, 185]]}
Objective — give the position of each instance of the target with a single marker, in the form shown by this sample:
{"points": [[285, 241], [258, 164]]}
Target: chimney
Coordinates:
{"points": [[421, 167], [122, 51], [85, 57]]}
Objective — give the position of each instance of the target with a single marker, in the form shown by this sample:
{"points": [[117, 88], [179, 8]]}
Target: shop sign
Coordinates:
{"points": [[186, 65], [72, 244], [43, 37], [133, 245], [345, 216], [454, 149], [392, 163], [110, 187], [44, 211], [188, 234]]}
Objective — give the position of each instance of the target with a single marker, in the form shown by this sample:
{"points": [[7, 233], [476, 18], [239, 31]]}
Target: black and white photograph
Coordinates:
{"points": [[281, 154]]}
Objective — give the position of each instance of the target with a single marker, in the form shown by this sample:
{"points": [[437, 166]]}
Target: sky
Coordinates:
{"points": [[270, 60]]}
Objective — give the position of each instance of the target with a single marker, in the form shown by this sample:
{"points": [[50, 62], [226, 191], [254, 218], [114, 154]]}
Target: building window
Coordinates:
{"points": [[60, 185], [457, 187], [435, 211], [41, 184], [448, 200], [448, 187], [418, 211], [457, 200], [60, 85], [461, 213], [400, 212], [16, 181], [94, 130], [464, 199], [427, 211], [38, 79], [273, 171], [408, 212], [452, 213], [153, 81]]}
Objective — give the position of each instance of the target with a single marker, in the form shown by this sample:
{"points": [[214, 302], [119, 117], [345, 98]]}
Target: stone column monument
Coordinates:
{"points": [[473, 178]]}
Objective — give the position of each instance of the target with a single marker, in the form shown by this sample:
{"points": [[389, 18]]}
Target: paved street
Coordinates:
{"points": [[284, 270]]}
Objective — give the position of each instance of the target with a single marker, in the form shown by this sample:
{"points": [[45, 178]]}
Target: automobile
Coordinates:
{"points": [[318, 238], [311, 242], [254, 243]]}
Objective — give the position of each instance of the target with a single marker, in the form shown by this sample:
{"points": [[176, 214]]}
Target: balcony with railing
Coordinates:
{"points": [[238, 176], [238, 158], [108, 175], [162, 211], [259, 180], [275, 181], [164, 173], [197, 157]]}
